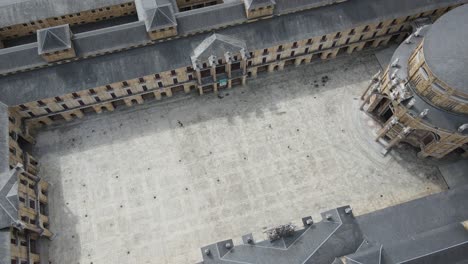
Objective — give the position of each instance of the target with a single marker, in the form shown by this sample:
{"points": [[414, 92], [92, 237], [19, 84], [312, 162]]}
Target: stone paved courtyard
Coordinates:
{"points": [[154, 183]]}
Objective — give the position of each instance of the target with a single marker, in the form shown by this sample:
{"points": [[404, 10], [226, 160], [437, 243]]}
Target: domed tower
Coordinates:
{"points": [[422, 97]]}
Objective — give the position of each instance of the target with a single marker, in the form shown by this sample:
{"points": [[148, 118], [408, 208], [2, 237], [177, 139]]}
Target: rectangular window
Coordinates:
{"points": [[144, 88], [81, 102], [40, 103], [278, 57], [32, 204], [64, 106], [113, 95], [125, 84], [173, 72], [23, 107], [380, 25], [293, 53], [109, 88], [58, 99], [141, 80], [294, 45], [175, 81], [338, 35], [309, 42], [48, 110], [190, 77], [352, 32], [97, 99], [280, 48], [91, 91], [323, 39], [157, 76], [264, 60], [265, 51], [160, 84], [129, 92], [366, 28], [75, 95]]}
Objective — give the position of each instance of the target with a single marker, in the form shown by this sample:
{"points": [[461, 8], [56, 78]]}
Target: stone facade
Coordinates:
{"points": [[415, 106]]}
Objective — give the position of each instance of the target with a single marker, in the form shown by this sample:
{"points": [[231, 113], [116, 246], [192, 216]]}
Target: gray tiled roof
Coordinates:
{"points": [[4, 137], [445, 48], [426, 230], [5, 246], [207, 18], [18, 12], [92, 72], [54, 39]]}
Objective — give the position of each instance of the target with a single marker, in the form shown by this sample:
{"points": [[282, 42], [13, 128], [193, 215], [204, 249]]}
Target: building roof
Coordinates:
{"points": [[128, 64], [252, 4], [202, 19], [445, 48], [426, 230], [14, 12], [4, 139], [156, 14], [217, 45], [436, 117], [5, 246], [54, 39]]}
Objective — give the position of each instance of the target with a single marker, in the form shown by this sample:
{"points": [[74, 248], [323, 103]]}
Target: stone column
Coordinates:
{"points": [[383, 131], [403, 134]]}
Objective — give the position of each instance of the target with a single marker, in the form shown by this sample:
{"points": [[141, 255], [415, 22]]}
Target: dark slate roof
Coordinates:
{"points": [[54, 39], [286, 6], [4, 138], [252, 4], [445, 48], [93, 72], [426, 230], [5, 246], [203, 19], [217, 45], [436, 117], [336, 235], [22, 11]]}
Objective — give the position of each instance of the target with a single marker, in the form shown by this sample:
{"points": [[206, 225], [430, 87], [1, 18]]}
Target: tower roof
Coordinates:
{"points": [[156, 14], [252, 4], [217, 45], [54, 39], [445, 49], [160, 17]]}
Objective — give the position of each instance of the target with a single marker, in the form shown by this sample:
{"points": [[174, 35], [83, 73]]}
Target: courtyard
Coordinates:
{"points": [[154, 183]]}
